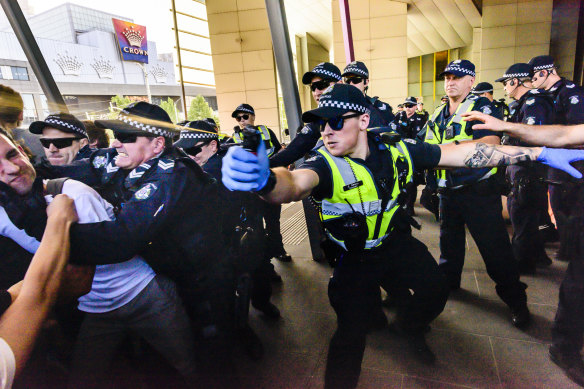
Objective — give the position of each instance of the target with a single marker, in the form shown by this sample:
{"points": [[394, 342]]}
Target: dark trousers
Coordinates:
{"points": [[275, 247], [568, 327], [402, 263], [479, 208], [564, 201], [525, 203]]}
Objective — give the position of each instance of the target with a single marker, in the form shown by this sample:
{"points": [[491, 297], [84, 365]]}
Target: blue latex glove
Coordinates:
{"points": [[561, 158], [244, 171]]}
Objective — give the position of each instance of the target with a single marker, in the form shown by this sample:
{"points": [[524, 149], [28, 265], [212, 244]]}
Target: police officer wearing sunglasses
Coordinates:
{"points": [[357, 74], [166, 210], [357, 179], [64, 138]]}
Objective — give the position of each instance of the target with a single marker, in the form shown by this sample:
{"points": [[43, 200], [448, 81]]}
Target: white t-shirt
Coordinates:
{"points": [[7, 365], [113, 285]]}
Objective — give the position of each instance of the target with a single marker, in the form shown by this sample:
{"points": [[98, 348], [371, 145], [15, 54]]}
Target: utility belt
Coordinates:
{"points": [[483, 187]]}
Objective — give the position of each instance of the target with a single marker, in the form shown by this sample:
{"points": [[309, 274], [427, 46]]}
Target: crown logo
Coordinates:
{"points": [[160, 74], [103, 67], [69, 64], [134, 37]]}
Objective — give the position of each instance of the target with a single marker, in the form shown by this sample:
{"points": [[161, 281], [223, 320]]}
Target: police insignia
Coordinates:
{"points": [[534, 91], [553, 89], [145, 192], [486, 110], [313, 158], [570, 86], [530, 101], [305, 130], [457, 61], [574, 100], [393, 126], [531, 120], [383, 107], [99, 161]]}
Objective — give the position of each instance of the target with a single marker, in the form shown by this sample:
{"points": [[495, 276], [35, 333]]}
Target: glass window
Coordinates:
{"points": [[19, 73], [44, 106], [29, 111], [5, 72]]}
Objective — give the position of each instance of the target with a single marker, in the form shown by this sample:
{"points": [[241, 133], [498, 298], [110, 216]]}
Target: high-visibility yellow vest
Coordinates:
{"points": [[458, 128], [265, 134], [355, 190]]}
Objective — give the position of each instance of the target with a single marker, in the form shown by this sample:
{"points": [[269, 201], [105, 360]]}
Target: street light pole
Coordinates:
{"points": [[146, 81]]}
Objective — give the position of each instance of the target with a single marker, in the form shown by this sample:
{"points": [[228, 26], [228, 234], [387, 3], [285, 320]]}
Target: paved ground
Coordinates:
{"points": [[475, 343]]}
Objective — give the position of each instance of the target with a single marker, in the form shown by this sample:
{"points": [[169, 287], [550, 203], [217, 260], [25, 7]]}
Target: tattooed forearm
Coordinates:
{"points": [[485, 155]]}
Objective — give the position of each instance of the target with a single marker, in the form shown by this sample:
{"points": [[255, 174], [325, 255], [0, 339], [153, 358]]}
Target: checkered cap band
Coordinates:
{"points": [[194, 134], [342, 105], [138, 123], [324, 72], [516, 75], [456, 68], [244, 109], [55, 120], [356, 70], [542, 67]]}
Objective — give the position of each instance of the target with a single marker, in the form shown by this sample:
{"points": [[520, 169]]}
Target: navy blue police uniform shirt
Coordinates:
{"points": [[536, 107], [305, 140], [569, 102], [465, 176], [381, 114], [167, 204], [424, 156], [409, 128]]}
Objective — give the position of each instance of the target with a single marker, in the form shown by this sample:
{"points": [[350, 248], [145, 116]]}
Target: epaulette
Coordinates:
{"points": [[166, 165], [473, 97]]}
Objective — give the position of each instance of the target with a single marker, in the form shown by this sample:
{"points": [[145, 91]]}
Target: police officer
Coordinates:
{"points": [[319, 78], [408, 124], [422, 111], [485, 89], [166, 209], [472, 197], [564, 191], [245, 116], [528, 196], [357, 74], [357, 179], [568, 327], [64, 138]]}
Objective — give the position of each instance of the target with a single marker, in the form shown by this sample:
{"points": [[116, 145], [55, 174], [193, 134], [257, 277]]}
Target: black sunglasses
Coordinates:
{"points": [[336, 123], [244, 117], [354, 80], [59, 143], [409, 105], [320, 85], [196, 149], [129, 138]]}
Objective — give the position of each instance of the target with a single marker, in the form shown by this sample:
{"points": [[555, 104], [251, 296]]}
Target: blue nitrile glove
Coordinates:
{"points": [[244, 171], [561, 158]]}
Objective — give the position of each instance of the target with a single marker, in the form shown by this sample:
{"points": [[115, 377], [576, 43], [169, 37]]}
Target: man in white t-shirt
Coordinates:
{"points": [[127, 296]]}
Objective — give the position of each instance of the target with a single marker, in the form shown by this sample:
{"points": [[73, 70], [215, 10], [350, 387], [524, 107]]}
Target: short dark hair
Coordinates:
{"points": [[11, 104], [95, 133]]}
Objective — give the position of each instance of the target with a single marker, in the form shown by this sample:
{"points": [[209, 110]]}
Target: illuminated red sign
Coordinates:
{"points": [[132, 40]]}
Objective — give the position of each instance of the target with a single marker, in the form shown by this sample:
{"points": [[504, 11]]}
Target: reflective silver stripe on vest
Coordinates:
{"points": [[369, 244], [237, 137], [462, 109]]}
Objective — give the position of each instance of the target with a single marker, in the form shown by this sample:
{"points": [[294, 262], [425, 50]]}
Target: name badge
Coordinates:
{"points": [[353, 185]]}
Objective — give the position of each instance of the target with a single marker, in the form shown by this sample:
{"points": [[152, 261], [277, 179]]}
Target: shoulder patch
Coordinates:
{"points": [[530, 120], [530, 101], [166, 165], [313, 158], [393, 126], [408, 140], [486, 110], [570, 86], [99, 161], [145, 192], [553, 89], [535, 91], [472, 97], [574, 100], [383, 107], [305, 130]]}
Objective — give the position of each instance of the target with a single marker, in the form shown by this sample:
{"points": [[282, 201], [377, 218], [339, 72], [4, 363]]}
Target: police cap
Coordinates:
{"points": [[143, 119], [411, 100], [357, 68], [196, 131], [325, 70], [482, 87], [243, 108], [541, 62], [517, 70], [336, 100], [460, 68], [61, 121]]}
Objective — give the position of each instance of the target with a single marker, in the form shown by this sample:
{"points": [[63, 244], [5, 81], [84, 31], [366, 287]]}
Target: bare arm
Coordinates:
{"points": [[477, 155], [20, 324], [553, 135], [292, 185]]}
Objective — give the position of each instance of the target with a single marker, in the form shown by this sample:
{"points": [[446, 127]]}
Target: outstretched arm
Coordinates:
{"points": [[479, 155], [21, 323], [553, 135]]}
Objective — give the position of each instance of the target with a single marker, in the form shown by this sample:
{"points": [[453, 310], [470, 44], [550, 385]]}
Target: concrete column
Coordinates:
{"points": [[380, 41], [512, 31], [243, 60]]}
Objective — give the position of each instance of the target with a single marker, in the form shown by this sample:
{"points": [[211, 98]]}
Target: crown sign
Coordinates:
{"points": [[70, 65], [160, 74], [134, 37], [103, 67]]}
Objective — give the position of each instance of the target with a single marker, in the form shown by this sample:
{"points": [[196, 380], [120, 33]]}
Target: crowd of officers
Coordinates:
{"points": [[172, 245]]}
